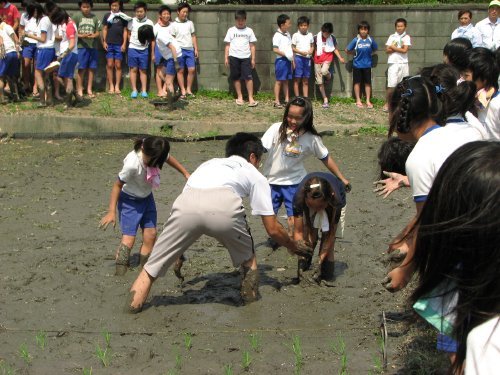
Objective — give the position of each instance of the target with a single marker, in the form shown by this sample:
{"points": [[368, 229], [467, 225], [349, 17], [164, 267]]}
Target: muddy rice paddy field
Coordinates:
{"points": [[62, 307]]}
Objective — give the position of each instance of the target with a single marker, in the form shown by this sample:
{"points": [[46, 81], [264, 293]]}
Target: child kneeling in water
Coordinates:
{"points": [[317, 204], [132, 193]]}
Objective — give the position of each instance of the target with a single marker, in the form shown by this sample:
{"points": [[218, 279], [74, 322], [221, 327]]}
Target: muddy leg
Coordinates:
{"points": [[122, 259], [327, 272], [177, 267], [139, 292], [249, 284]]}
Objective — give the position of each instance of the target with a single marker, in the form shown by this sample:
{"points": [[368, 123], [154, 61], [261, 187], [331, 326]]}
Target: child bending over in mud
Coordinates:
{"points": [[132, 194], [317, 205]]}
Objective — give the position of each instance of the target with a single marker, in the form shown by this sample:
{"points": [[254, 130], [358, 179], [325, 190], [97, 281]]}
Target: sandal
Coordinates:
{"points": [[325, 105], [359, 105], [253, 104], [369, 106], [278, 105], [239, 102], [91, 95], [182, 97]]}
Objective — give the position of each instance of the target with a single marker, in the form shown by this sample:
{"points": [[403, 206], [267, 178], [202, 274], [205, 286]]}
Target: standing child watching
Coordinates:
{"points": [[10, 14], [325, 48], [303, 47], [239, 55], [9, 60], [288, 144], [283, 65], [397, 47], [69, 51], [138, 53], [163, 28], [362, 47], [114, 42], [132, 194], [184, 33], [89, 27]]}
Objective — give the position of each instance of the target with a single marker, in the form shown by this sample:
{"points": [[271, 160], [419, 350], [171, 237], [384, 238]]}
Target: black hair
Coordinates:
{"points": [[164, 8], [244, 144], [51, 7], [400, 20], [483, 65], [182, 6], [145, 34], [307, 122], [463, 11], [282, 18], [59, 16], [413, 101], [156, 148], [303, 19], [392, 156], [33, 7], [456, 99], [327, 28], [457, 240], [240, 15], [90, 2], [116, 1], [457, 52], [140, 4], [364, 24]]}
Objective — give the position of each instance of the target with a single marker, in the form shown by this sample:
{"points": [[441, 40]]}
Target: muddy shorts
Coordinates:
{"points": [[217, 212]]}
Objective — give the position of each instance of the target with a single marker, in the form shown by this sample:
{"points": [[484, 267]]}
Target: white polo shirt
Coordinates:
{"points": [[5, 32], [71, 29], [47, 27], [398, 41], [183, 31], [483, 349], [30, 27], [133, 26], [302, 42], [239, 175], [163, 40], [283, 42], [284, 163], [239, 42], [490, 33]]}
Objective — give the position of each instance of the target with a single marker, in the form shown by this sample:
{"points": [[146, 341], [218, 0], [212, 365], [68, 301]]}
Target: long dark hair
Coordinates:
{"points": [[392, 156], [307, 122], [458, 237], [33, 7], [457, 52], [157, 148]]}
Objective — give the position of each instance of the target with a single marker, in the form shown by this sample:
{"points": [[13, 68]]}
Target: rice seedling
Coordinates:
{"points": [[102, 355], [178, 361], [40, 339], [188, 340], [339, 348], [254, 339], [297, 351], [228, 369], [24, 353], [5, 368], [107, 338], [246, 361], [87, 371]]}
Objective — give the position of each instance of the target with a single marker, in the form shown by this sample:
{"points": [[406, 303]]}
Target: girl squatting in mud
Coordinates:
{"points": [[132, 194]]}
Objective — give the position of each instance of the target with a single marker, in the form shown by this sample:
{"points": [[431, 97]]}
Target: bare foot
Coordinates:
{"points": [[139, 292]]}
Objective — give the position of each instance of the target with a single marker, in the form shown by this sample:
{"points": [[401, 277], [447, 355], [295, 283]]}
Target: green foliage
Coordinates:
{"points": [[87, 371], [297, 351], [40, 339], [373, 130], [246, 361], [5, 368], [254, 339], [24, 353], [228, 369], [188, 340]]}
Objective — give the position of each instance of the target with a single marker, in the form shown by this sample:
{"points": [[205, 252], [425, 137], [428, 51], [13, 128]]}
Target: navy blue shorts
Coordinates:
{"points": [[446, 343], [68, 65], [283, 194], [302, 67], [29, 51], [9, 66], [136, 212], [187, 59], [240, 69], [282, 69], [44, 56], [87, 58], [169, 67], [138, 58], [114, 52], [158, 57]]}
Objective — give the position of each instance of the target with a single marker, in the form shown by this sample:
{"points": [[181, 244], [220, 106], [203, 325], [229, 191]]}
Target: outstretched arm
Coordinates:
{"points": [[332, 167], [390, 184], [110, 217], [178, 166], [278, 233]]}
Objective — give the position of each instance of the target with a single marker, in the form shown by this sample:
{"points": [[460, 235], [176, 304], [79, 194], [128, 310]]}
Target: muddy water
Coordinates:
{"points": [[57, 275]]}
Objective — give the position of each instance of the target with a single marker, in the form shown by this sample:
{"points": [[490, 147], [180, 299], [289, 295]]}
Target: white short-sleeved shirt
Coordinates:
{"points": [[30, 27], [302, 42], [183, 31], [283, 41], [5, 32], [47, 27], [133, 174], [239, 175], [483, 349], [163, 41], [431, 151], [133, 26], [398, 41], [71, 29], [490, 117], [239, 41], [490, 33], [469, 32], [285, 166]]}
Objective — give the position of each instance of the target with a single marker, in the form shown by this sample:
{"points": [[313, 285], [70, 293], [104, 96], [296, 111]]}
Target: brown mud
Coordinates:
{"points": [[58, 271]]}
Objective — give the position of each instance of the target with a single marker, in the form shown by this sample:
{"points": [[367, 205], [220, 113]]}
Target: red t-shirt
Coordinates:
{"points": [[70, 30], [325, 56], [11, 14]]}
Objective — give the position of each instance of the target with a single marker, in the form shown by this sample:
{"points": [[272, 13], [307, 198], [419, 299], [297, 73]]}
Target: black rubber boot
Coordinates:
{"points": [[249, 284], [327, 273], [122, 260]]}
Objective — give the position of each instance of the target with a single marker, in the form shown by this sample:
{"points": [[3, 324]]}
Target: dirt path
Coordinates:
{"points": [[57, 276]]}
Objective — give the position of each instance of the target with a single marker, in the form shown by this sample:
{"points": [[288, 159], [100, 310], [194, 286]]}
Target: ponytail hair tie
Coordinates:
{"points": [[439, 89], [312, 186], [407, 93]]}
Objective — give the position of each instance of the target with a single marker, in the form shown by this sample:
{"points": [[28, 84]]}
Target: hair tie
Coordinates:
{"points": [[408, 92], [439, 89], [314, 186]]}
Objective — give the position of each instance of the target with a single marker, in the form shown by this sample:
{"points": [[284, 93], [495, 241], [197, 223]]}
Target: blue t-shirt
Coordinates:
{"points": [[363, 52]]}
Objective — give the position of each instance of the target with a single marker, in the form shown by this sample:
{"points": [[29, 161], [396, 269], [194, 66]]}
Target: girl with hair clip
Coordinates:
{"points": [[417, 115], [132, 194], [457, 257], [317, 205], [288, 144]]}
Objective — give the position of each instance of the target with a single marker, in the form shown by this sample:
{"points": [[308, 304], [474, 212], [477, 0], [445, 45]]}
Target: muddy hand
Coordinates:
{"points": [[304, 249], [397, 256]]}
